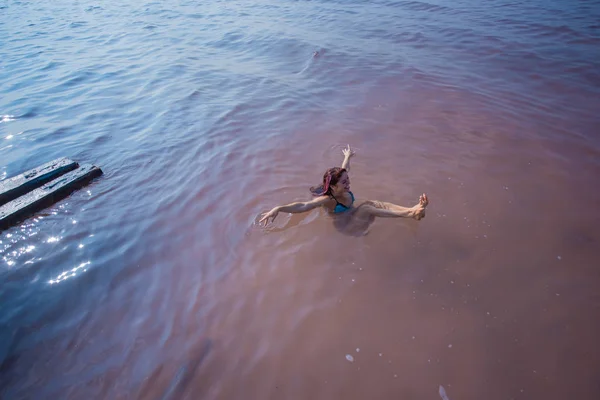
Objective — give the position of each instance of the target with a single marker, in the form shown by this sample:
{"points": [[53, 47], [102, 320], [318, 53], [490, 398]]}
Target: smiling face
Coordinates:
{"points": [[335, 181], [342, 185]]}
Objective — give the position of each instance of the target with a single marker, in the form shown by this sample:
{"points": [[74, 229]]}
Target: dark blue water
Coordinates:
{"points": [[153, 282]]}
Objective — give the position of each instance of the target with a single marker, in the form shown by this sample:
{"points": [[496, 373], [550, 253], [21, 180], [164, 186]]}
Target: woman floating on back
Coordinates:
{"points": [[335, 196]]}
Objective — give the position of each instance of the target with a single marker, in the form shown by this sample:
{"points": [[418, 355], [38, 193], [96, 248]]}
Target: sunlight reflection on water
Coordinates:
{"points": [[71, 273]]}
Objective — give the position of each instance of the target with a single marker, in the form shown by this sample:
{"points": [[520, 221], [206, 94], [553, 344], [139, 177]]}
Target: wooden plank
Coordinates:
{"points": [[27, 205], [16, 186]]}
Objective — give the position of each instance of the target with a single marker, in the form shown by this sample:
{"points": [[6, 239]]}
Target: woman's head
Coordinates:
{"points": [[335, 181]]}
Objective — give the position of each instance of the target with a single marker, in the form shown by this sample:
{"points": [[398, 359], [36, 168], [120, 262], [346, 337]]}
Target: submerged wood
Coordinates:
{"points": [[51, 192], [16, 186]]}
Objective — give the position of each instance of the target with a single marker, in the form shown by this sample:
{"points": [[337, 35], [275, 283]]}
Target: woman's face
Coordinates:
{"points": [[343, 185]]}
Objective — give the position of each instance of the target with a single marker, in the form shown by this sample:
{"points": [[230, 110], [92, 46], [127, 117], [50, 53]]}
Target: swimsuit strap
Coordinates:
{"points": [[337, 203], [333, 197]]}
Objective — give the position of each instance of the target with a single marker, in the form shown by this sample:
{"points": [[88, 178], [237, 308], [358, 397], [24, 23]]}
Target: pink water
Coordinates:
{"points": [[155, 283]]}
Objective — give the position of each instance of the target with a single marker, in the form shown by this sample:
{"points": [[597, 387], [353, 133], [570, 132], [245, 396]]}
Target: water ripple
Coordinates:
{"points": [[205, 114]]}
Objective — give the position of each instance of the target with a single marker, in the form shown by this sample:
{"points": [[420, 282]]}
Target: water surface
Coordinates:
{"points": [[154, 282]]}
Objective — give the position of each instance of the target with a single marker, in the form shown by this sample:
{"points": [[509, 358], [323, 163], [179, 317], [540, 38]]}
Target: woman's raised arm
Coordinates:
{"points": [[347, 154]]}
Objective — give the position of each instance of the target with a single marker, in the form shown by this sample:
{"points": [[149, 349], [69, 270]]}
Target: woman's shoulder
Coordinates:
{"points": [[323, 199]]}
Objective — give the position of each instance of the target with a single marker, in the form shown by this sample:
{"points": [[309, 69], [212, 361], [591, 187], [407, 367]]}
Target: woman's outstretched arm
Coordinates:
{"points": [[347, 154], [294, 208]]}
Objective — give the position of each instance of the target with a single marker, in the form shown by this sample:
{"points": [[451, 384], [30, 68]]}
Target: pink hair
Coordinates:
{"points": [[330, 178]]}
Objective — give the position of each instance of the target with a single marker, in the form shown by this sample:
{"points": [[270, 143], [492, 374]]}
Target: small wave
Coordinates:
{"points": [[540, 30], [31, 113], [79, 78], [409, 37], [77, 24], [63, 132], [51, 65], [227, 40], [421, 6]]}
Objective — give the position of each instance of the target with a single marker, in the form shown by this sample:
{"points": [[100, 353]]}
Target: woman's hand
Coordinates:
{"points": [[419, 209], [348, 152], [271, 214]]}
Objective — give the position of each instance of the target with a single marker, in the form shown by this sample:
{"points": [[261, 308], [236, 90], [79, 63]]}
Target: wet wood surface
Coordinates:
{"points": [[51, 192], [16, 186]]}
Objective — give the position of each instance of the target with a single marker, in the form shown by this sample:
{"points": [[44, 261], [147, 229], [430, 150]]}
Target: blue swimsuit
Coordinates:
{"points": [[339, 207]]}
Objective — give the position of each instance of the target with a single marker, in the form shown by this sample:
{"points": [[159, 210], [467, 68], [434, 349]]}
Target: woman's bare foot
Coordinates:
{"points": [[419, 209]]}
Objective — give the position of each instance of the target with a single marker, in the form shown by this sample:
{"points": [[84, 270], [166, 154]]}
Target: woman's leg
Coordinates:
{"points": [[374, 208]]}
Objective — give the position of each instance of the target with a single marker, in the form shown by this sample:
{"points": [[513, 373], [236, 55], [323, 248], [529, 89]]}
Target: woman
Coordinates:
{"points": [[335, 196]]}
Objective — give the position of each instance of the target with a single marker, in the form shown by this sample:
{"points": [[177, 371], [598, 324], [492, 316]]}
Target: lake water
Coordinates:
{"points": [[154, 282]]}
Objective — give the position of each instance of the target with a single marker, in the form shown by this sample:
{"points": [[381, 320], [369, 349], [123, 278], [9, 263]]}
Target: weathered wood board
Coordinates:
{"points": [[46, 195], [14, 187]]}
